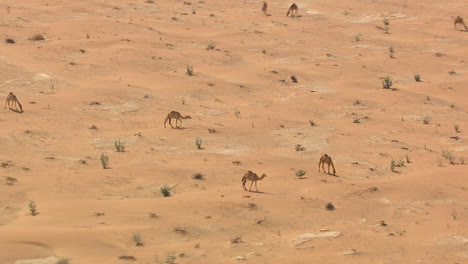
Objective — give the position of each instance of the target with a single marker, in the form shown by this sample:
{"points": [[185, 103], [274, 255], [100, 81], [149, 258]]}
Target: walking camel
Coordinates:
{"points": [[177, 116], [264, 8], [328, 160], [12, 100], [250, 176], [292, 10], [459, 20]]}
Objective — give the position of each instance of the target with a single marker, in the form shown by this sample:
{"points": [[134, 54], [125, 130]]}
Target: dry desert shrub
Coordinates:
{"points": [[37, 37]]}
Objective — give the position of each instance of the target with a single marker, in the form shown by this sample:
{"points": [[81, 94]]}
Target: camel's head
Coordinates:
{"points": [[188, 117], [263, 175]]}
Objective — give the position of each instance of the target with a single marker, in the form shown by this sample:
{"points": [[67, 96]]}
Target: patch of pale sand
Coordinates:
{"points": [[118, 108], [41, 76], [48, 260], [366, 18]]}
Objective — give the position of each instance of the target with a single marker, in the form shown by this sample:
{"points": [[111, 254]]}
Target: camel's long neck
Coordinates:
{"points": [[185, 117], [261, 177]]}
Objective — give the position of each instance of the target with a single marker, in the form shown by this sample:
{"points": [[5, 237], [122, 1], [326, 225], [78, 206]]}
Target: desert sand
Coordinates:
{"points": [[111, 71]]}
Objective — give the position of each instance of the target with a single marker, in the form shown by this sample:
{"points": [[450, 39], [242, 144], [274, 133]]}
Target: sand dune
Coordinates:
{"points": [[113, 70]]}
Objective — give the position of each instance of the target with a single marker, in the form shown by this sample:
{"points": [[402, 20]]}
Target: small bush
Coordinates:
{"points": [[452, 72], [236, 112], [37, 37], [448, 155], [312, 123], [457, 128], [137, 239], [189, 70], [386, 22], [198, 142], [417, 77], [357, 37], [426, 119], [300, 173], [119, 146], [357, 102], [32, 208], [211, 46], [166, 191], [299, 147], [171, 257], [329, 207], [63, 260], [212, 131], [104, 161], [393, 164], [198, 176], [9, 41], [387, 83], [386, 30], [391, 52]]}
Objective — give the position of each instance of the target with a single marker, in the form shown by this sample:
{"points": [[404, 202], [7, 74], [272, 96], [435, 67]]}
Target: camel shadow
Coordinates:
{"points": [[261, 192], [16, 111]]}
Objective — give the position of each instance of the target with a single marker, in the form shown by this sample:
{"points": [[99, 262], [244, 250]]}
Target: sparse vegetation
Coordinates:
{"points": [[170, 258], [212, 131], [10, 181], [211, 46], [104, 161], [237, 162], [9, 41], [63, 260], [329, 207], [386, 29], [356, 102], [119, 146], [165, 191], [417, 77], [300, 173], [198, 142], [357, 37], [393, 164], [189, 70], [137, 239], [452, 72], [237, 112], [37, 37], [448, 155], [32, 208], [299, 147], [386, 22], [198, 176], [387, 83], [311, 123], [457, 128], [391, 52], [426, 119], [182, 101]]}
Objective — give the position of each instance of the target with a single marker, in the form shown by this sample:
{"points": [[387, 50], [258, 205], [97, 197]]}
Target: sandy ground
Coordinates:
{"points": [[121, 66]]}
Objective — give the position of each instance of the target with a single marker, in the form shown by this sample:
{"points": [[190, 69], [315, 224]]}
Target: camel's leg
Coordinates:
{"points": [[180, 125], [323, 166], [320, 161], [171, 123], [6, 102], [333, 166], [256, 186], [251, 186]]}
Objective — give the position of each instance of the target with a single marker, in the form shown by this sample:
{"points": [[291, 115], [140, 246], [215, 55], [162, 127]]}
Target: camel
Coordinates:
{"points": [[264, 8], [292, 10], [177, 116], [250, 176], [328, 160], [12, 99], [459, 20]]}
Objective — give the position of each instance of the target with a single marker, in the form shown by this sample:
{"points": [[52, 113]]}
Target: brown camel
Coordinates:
{"points": [[292, 10], [459, 20], [250, 176], [177, 116], [13, 100], [328, 160]]}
